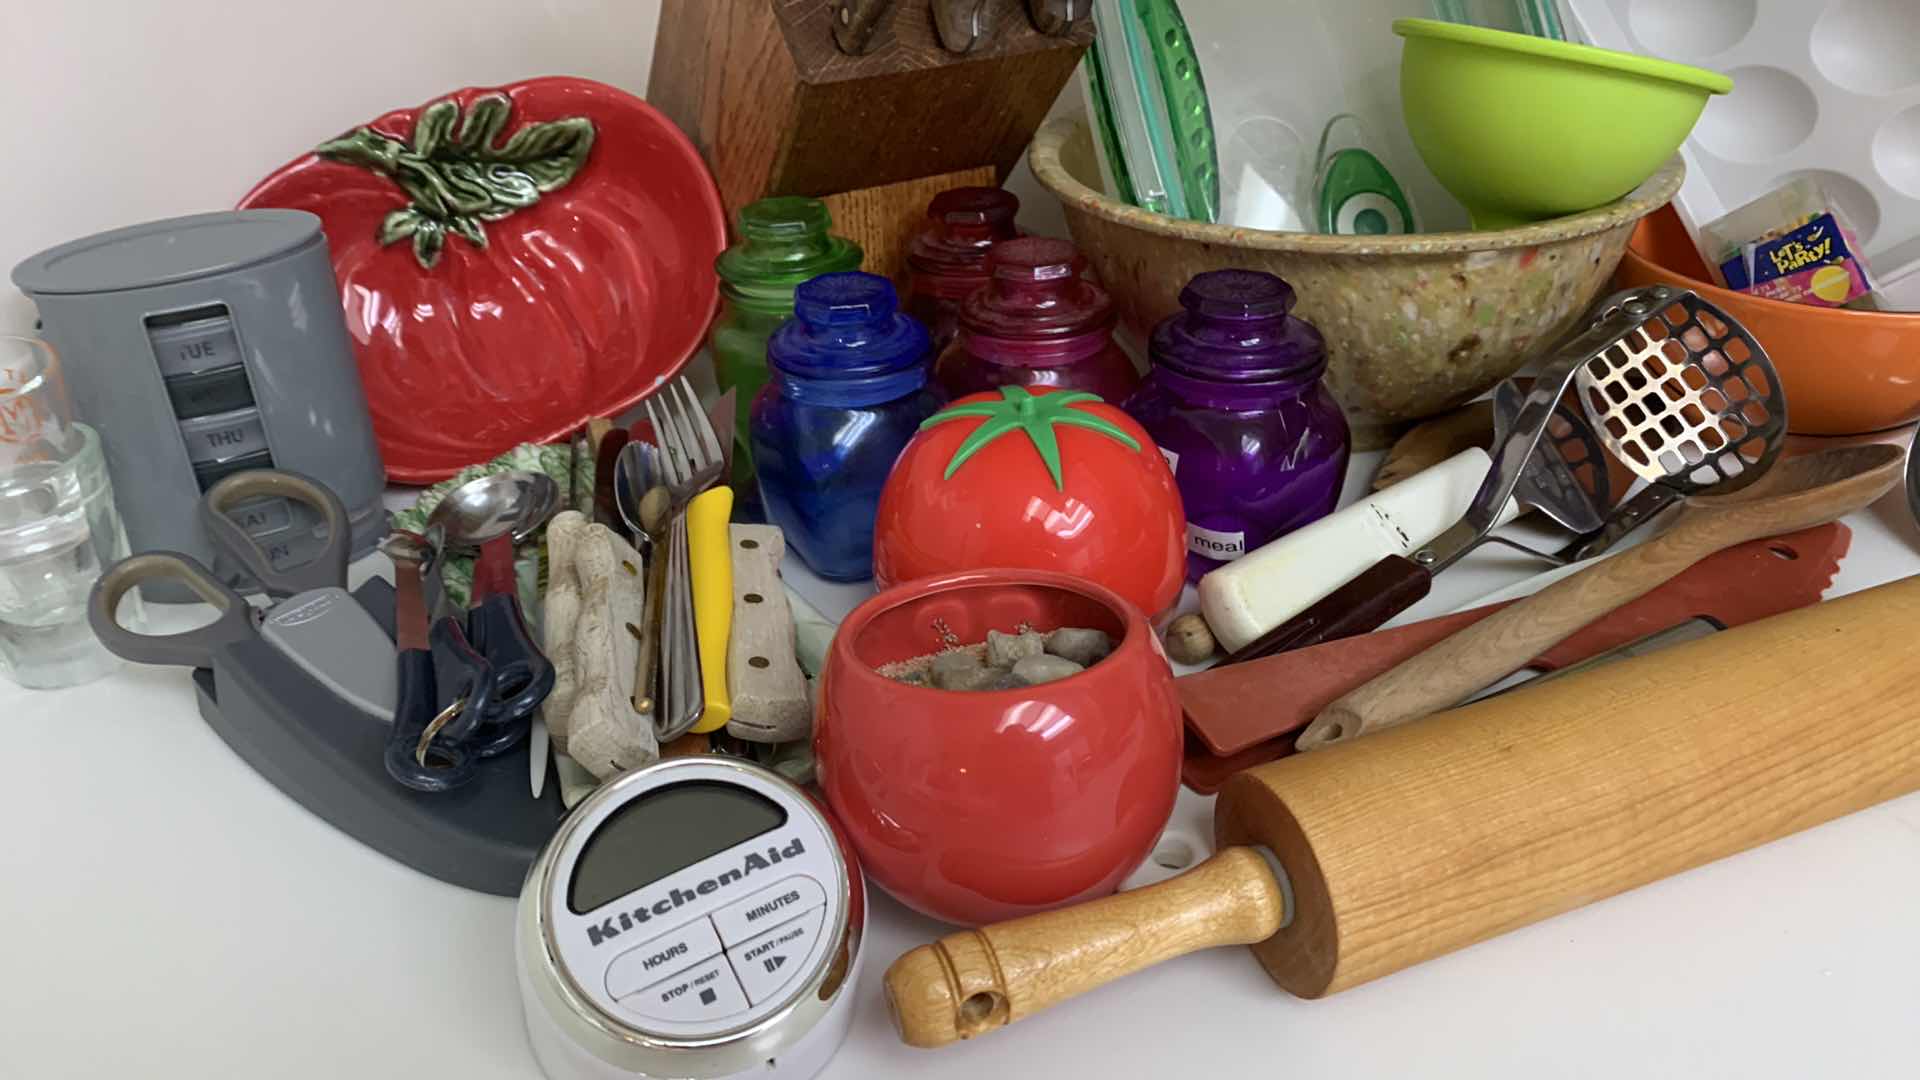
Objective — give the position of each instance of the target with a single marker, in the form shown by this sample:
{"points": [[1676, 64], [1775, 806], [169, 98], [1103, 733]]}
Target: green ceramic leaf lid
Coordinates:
{"points": [[784, 241]]}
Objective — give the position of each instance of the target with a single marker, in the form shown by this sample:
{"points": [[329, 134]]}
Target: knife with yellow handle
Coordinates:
{"points": [[710, 564]]}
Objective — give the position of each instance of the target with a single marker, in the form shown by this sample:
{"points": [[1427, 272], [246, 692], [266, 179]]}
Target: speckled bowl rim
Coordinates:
{"points": [[1044, 157]]}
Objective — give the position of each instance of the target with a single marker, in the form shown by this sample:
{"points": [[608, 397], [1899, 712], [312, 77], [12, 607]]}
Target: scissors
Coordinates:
{"points": [[318, 625], [316, 622]]}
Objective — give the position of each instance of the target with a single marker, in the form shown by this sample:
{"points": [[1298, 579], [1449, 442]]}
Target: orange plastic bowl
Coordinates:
{"points": [[1845, 372]]}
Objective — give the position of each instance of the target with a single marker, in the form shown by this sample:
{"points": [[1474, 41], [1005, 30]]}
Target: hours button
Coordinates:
{"points": [[660, 957]]}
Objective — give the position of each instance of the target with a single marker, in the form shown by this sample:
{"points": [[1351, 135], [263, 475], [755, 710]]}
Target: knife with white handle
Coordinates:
{"points": [[1264, 588]]}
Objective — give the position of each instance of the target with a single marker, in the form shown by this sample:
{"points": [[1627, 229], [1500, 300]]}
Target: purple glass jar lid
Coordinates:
{"points": [[1235, 326], [962, 224], [847, 325], [1036, 292]]}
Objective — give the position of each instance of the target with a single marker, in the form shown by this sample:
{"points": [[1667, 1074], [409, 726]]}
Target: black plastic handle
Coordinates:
{"points": [[448, 763], [523, 676], [1386, 589], [462, 674]]}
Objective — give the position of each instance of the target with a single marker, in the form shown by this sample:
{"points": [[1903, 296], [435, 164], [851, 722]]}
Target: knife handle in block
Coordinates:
{"points": [[710, 566], [764, 680]]}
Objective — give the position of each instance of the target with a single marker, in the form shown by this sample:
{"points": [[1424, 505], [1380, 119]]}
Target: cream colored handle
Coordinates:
{"points": [[1249, 596], [769, 691], [972, 982]]}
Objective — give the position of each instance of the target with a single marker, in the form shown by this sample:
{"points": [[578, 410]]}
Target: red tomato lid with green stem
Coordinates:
{"points": [[1035, 478]]}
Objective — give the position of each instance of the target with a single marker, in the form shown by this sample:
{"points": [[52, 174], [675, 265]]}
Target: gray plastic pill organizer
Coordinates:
{"points": [[331, 759], [204, 345]]}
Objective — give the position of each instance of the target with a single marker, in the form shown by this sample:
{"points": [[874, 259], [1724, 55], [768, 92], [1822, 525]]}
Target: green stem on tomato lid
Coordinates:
{"points": [[1035, 416]]}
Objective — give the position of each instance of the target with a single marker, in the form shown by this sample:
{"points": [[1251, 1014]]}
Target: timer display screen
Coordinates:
{"points": [[665, 831]]}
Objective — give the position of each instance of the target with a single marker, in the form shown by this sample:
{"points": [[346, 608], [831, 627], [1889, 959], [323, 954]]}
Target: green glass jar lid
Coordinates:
{"points": [[784, 240]]}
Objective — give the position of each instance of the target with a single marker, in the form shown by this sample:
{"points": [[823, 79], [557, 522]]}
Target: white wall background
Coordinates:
{"points": [[122, 111]]}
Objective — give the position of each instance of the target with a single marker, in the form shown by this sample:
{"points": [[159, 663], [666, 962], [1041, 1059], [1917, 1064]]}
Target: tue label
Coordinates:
{"points": [[1214, 544]]}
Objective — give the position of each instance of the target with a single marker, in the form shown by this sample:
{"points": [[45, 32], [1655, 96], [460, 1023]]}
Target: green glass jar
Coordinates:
{"points": [[783, 241]]}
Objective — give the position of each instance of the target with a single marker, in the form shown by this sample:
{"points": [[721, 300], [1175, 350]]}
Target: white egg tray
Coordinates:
{"points": [[1826, 90]]}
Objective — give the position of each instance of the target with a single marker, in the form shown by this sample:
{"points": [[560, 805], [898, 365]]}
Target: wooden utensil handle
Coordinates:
{"points": [[972, 982], [1386, 589], [1496, 646]]}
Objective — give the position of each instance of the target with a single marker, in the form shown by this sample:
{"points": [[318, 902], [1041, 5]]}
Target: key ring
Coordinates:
{"points": [[433, 728]]}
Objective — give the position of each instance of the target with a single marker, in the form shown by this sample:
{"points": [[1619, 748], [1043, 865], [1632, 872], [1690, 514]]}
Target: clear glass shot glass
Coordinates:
{"points": [[58, 526]]}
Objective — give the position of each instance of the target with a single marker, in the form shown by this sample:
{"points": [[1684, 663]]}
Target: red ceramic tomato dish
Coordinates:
{"points": [[514, 261], [1040, 478], [975, 807]]}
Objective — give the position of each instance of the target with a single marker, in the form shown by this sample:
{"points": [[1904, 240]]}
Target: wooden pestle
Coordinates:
{"points": [[1407, 845]]}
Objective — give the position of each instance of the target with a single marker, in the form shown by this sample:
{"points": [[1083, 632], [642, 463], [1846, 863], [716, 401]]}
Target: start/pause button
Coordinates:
{"points": [[766, 964]]}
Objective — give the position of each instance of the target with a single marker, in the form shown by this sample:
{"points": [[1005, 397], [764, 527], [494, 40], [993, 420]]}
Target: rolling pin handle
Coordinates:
{"points": [[970, 983]]}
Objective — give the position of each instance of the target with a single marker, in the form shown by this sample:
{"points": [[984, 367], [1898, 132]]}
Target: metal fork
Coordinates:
{"points": [[690, 462]]}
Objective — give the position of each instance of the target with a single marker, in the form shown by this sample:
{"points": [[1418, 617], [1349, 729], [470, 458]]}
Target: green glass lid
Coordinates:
{"points": [[785, 240]]}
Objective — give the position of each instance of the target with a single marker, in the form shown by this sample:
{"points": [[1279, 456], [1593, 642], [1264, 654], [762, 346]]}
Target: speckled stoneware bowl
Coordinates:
{"points": [[1414, 324]]}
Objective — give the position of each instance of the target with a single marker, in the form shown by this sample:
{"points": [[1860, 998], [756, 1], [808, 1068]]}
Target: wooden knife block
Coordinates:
{"points": [[777, 109]]}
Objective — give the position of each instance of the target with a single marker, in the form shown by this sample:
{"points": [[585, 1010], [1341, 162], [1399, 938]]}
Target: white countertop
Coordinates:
{"points": [[168, 913]]}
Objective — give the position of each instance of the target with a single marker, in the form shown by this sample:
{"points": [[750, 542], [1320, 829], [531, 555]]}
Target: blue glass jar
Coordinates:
{"points": [[847, 388]]}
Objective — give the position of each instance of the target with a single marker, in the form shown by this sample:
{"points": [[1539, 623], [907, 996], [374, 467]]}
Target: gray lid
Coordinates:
{"points": [[164, 252]]}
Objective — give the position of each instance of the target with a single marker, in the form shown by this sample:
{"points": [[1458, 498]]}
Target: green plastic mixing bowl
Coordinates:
{"points": [[1522, 128]]}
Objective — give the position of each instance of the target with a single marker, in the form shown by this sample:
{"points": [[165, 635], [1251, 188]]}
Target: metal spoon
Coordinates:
{"points": [[517, 502], [645, 510]]}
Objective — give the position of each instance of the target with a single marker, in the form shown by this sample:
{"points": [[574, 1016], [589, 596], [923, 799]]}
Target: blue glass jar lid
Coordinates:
{"points": [[1236, 326], [847, 325]]}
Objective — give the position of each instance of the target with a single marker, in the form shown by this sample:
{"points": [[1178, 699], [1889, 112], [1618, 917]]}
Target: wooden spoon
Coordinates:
{"points": [[1795, 494]]}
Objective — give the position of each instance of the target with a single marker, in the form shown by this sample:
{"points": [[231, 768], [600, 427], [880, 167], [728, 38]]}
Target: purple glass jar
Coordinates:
{"points": [[1037, 323], [948, 258], [1257, 445]]}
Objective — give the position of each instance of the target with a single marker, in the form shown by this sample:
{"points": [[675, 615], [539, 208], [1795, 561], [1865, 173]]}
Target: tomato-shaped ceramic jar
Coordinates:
{"points": [[1041, 479], [978, 806]]}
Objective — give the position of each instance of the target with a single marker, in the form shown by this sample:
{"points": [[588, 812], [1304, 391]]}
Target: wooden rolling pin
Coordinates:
{"points": [[1407, 845]]}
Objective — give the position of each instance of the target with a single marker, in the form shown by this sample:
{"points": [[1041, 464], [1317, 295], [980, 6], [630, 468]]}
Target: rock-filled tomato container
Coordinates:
{"points": [[978, 806]]}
